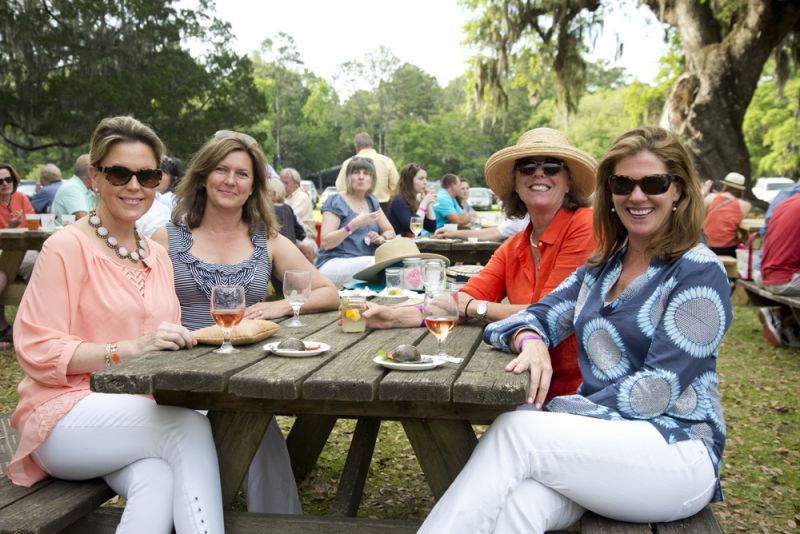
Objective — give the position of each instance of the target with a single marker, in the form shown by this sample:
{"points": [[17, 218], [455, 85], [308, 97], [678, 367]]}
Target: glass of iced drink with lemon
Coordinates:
{"points": [[352, 313]]}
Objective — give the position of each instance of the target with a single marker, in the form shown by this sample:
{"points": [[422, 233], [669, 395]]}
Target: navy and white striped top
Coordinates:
{"points": [[194, 277]]}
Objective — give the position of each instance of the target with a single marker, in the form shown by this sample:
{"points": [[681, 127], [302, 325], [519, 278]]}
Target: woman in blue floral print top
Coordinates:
{"points": [[642, 439]]}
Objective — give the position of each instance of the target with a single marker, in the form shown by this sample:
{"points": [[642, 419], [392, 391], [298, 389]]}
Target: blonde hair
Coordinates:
{"points": [[683, 229], [191, 192], [113, 130], [276, 187]]}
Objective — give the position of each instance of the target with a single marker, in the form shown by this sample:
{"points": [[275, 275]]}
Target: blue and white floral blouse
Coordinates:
{"points": [[649, 354]]}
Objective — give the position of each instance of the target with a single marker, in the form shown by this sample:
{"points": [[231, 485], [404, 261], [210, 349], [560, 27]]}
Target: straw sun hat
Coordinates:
{"points": [[734, 180], [544, 142], [392, 252]]}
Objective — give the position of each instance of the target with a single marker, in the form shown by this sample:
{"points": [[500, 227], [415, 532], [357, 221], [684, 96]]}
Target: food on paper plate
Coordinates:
{"points": [[404, 353], [291, 343]]}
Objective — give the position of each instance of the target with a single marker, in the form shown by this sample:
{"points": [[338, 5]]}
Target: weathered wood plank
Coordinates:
{"points": [[278, 377], [352, 375], [306, 441], [236, 436], [8, 441], [435, 384], [53, 506], [484, 380], [356, 467], [105, 520], [594, 524], [138, 376], [702, 522], [761, 296], [442, 449]]}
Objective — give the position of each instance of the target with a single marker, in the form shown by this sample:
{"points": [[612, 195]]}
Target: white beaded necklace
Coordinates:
{"points": [[102, 232]]}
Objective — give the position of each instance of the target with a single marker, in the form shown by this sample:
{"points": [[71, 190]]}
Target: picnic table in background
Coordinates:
{"points": [[748, 226], [459, 251], [15, 242]]}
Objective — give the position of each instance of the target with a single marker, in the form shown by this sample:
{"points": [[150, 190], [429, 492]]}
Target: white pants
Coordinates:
{"points": [[538, 471], [342, 269], [162, 459], [271, 487]]}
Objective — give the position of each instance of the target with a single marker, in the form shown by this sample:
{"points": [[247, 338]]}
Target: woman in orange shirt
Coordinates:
{"points": [[545, 176]]}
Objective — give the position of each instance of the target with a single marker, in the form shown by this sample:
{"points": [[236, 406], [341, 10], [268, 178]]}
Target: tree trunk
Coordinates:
{"points": [[708, 102]]}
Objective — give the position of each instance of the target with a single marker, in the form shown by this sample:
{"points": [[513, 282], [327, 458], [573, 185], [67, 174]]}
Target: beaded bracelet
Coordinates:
{"points": [[348, 229], [526, 338], [421, 309], [111, 354], [422, 211]]}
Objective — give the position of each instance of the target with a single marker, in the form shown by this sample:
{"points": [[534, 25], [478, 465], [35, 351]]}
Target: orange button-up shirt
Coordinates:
{"points": [[18, 202], [565, 245]]}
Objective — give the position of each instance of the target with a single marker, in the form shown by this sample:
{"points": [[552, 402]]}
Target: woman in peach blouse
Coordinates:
{"points": [[101, 295]]}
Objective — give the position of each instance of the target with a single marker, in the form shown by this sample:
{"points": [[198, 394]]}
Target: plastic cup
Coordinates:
{"points": [[450, 226], [66, 220], [48, 222], [34, 221]]}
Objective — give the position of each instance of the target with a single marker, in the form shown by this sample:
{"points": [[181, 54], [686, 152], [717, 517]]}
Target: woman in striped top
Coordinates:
{"points": [[223, 232]]}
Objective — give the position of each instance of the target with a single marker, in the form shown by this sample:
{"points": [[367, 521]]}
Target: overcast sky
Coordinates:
{"points": [[426, 33]]}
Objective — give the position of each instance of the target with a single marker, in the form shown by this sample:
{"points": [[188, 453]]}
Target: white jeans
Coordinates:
{"points": [[538, 471], [342, 269], [162, 459]]}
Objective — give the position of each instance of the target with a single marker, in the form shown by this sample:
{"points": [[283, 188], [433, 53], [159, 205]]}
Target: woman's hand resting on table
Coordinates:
{"points": [[268, 310], [536, 359], [167, 336]]}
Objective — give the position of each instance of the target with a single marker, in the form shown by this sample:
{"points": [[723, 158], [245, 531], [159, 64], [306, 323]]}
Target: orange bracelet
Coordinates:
{"points": [[111, 354]]}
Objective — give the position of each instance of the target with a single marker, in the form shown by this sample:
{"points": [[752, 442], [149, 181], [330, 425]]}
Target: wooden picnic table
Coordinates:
{"points": [[15, 242], [242, 391], [459, 251]]}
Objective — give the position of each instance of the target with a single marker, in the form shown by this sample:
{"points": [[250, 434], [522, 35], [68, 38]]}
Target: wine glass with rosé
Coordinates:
{"points": [[227, 309], [441, 315]]}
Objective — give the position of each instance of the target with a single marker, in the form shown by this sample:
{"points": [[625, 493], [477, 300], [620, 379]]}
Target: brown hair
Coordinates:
{"points": [[405, 187], [113, 130], [14, 175], [357, 164], [686, 224], [574, 198], [191, 192]]}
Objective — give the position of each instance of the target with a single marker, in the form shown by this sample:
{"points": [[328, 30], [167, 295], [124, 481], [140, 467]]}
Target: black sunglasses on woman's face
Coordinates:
{"points": [[549, 167], [652, 184], [119, 175], [7, 180]]}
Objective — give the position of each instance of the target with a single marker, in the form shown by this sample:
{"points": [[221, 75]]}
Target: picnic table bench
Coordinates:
{"points": [[14, 243], [760, 296]]}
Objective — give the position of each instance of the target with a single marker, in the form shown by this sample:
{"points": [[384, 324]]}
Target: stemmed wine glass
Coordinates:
{"points": [[297, 290], [416, 225], [441, 315], [227, 309]]}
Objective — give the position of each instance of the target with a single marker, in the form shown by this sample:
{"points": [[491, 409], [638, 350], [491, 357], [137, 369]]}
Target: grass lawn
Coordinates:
{"points": [[760, 475]]}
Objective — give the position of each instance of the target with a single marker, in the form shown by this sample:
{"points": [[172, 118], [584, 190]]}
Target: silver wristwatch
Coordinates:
{"points": [[482, 310]]}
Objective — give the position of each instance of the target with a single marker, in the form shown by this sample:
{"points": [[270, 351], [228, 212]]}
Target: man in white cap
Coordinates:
{"points": [[724, 211]]}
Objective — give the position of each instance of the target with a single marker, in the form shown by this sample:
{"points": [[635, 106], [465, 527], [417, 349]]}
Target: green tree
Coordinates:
{"points": [[725, 45], [64, 65]]}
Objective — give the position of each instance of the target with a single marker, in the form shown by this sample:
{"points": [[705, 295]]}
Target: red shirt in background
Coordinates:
{"points": [[19, 202], [565, 245], [780, 256]]}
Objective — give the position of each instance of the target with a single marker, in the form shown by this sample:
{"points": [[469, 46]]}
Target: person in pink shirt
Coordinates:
{"points": [[101, 295]]}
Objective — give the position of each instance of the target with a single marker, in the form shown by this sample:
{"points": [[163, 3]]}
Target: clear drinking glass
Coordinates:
{"points": [[434, 274], [394, 281], [441, 315], [352, 314], [227, 309], [296, 290], [416, 225]]}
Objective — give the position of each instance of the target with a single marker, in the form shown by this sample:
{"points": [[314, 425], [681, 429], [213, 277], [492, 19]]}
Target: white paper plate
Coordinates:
{"points": [[404, 293], [427, 362], [273, 348]]}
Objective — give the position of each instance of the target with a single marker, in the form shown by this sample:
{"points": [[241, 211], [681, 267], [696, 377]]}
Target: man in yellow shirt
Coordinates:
{"points": [[386, 177]]}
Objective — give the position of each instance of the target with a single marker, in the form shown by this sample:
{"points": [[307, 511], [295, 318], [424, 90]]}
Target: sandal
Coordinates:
{"points": [[7, 334]]}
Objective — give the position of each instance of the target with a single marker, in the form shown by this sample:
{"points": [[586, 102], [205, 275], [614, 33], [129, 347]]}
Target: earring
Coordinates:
{"points": [[674, 208], [613, 210]]}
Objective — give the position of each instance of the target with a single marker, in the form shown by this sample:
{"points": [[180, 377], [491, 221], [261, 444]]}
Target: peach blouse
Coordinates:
{"points": [[75, 294]]}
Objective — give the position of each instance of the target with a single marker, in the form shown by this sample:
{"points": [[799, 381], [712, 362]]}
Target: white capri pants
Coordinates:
{"points": [[538, 471], [339, 270], [162, 459]]}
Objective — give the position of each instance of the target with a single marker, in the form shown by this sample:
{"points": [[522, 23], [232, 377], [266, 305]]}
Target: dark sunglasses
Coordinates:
{"points": [[224, 134], [7, 180], [119, 175], [549, 168], [653, 184]]}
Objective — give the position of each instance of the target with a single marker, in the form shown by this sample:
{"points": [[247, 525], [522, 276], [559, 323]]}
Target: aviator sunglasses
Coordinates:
{"points": [[653, 184], [549, 168], [223, 134], [119, 175]]}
